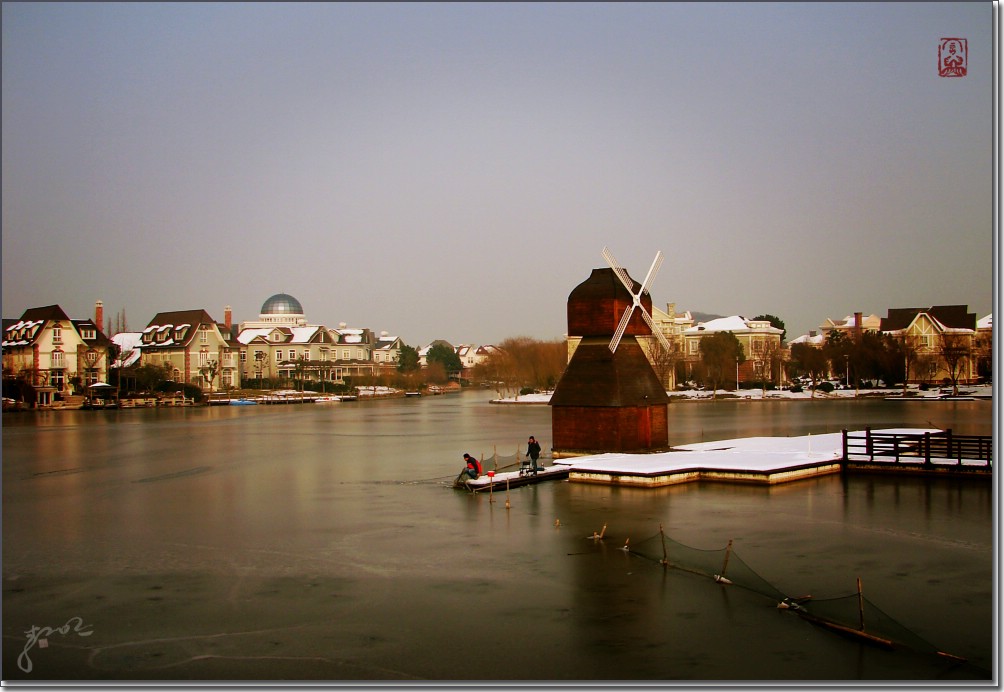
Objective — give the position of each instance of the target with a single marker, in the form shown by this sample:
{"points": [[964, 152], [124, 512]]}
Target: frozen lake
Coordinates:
{"points": [[323, 542]]}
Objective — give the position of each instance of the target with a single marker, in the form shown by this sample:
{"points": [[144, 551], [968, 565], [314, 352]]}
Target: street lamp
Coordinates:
{"points": [[847, 374], [737, 373]]}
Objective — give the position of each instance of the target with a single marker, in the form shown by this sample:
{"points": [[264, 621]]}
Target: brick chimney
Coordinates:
{"points": [[99, 314], [228, 318]]}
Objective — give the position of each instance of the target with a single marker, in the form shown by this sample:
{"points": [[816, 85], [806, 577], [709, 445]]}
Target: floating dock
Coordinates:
{"points": [[513, 479]]}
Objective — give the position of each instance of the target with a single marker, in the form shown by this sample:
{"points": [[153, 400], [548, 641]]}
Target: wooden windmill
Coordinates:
{"points": [[609, 398]]}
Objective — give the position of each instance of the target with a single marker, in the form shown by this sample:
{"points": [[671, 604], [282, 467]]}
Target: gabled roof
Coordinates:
{"points": [[950, 316], [986, 322], [99, 340], [181, 317], [47, 313], [177, 320]]}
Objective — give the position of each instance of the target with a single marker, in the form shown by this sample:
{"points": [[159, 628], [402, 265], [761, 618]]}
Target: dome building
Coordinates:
{"points": [[281, 340], [282, 310]]}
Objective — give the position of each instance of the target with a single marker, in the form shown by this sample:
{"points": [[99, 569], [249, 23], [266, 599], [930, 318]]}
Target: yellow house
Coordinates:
{"points": [[188, 342], [761, 342], [933, 334], [50, 350]]}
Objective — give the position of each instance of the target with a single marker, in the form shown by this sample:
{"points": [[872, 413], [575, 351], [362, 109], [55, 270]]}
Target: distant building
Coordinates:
{"points": [[761, 342], [188, 343], [928, 331], [51, 350], [387, 349], [282, 343], [851, 325]]}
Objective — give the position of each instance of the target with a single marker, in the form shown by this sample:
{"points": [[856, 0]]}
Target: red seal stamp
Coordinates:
{"points": [[953, 57]]}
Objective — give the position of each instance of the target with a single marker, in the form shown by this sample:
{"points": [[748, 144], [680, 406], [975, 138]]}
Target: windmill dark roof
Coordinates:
{"points": [[597, 304], [952, 316], [597, 377]]}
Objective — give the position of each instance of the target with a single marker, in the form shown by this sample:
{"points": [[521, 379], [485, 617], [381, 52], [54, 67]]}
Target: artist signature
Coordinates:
{"points": [[39, 635]]}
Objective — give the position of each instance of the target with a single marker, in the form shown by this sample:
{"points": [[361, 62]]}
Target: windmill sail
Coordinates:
{"points": [[635, 298]]}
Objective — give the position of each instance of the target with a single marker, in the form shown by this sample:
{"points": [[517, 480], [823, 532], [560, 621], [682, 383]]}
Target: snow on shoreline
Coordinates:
{"points": [[981, 391]]}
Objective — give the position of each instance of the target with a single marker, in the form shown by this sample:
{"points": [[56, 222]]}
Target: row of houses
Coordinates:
{"points": [[53, 351], [925, 328]]}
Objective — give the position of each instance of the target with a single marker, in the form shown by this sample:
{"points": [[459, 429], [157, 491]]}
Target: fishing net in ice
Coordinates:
{"points": [[507, 462], [856, 612], [716, 563], [851, 615]]}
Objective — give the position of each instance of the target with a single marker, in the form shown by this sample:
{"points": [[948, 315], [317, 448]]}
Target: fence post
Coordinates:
{"points": [[927, 449], [868, 443], [844, 434]]}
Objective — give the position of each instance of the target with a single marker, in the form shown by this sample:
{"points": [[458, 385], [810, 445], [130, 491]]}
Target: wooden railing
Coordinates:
{"points": [[942, 448]]}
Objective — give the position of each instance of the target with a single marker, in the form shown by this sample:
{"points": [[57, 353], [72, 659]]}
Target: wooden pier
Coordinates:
{"points": [[941, 452]]}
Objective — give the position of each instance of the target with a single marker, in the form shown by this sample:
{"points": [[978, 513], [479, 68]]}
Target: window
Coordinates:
{"points": [[203, 357], [56, 359], [306, 354], [324, 354], [88, 333], [345, 354], [56, 379], [57, 333], [278, 356], [203, 334], [228, 378]]}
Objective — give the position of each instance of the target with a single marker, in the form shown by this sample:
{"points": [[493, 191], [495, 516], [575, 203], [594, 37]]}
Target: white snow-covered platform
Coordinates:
{"points": [[758, 460]]}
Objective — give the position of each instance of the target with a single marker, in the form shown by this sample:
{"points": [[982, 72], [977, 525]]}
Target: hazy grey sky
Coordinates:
{"points": [[454, 170]]}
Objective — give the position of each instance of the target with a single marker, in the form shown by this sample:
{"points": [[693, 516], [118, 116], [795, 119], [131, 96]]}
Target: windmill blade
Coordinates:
{"points": [[620, 271], [625, 318], [655, 330], [653, 270]]}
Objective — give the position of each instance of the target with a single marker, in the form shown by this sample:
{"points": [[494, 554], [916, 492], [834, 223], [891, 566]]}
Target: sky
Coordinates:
{"points": [[453, 171]]}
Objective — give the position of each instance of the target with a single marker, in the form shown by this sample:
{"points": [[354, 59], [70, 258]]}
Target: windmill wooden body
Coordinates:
{"points": [[609, 398]]}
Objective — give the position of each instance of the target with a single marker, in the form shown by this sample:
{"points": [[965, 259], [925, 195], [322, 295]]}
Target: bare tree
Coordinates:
{"points": [[810, 360], [766, 354], [664, 361], [209, 372], [955, 350], [909, 345]]}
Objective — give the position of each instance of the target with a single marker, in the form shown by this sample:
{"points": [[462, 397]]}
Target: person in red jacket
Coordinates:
{"points": [[473, 469]]}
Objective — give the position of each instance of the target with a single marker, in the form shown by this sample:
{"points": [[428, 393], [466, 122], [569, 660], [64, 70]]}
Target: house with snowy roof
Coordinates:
{"points": [[387, 349], [930, 331], [851, 325], [281, 343], [51, 350], [190, 344], [761, 342]]}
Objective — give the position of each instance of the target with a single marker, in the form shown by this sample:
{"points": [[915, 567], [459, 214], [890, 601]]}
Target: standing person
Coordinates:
{"points": [[473, 469], [533, 451]]}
